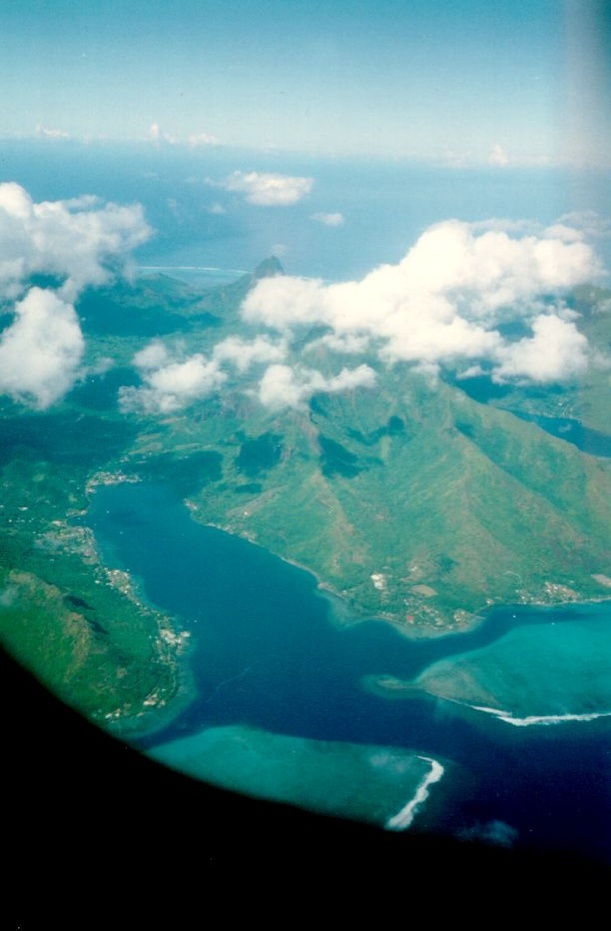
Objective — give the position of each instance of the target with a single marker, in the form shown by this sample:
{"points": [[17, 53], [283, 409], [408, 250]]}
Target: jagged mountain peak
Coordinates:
{"points": [[269, 268]]}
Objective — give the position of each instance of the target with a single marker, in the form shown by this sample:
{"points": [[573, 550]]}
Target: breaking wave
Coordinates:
{"points": [[508, 718], [404, 818]]}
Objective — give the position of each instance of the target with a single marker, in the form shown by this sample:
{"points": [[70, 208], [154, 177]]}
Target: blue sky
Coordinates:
{"points": [[507, 79]]}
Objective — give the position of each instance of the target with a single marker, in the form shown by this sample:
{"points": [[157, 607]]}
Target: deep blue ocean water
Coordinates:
{"points": [[265, 651]]}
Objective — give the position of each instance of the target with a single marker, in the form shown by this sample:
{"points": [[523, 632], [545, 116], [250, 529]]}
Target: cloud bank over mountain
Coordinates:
{"points": [[77, 241], [475, 298], [283, 386], [170, 385], [487, 297], [172, 380], [446, 304]]}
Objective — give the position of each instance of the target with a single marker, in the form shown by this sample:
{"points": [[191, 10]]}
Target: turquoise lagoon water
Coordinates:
{"points": [[382, 785], [266, 656], [537, 674]]}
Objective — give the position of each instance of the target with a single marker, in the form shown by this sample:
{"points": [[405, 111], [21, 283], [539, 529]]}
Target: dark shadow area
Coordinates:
{"points": [[85, 816], [336, 459]]}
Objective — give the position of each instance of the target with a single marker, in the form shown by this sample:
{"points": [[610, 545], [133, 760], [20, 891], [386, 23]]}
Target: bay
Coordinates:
{"points": [[269, 651]]}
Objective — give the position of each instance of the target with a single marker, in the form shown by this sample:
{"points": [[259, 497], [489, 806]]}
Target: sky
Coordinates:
{"points": [[520, 81], [207, 131]]}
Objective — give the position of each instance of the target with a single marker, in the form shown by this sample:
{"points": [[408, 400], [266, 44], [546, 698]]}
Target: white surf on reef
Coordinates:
{"points": [[508, 718], [404, 818], [192, 268]]}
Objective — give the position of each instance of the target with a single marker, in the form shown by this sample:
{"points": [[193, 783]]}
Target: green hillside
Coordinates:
{"points": [[418, 502], [412, 501], [75, 621]]}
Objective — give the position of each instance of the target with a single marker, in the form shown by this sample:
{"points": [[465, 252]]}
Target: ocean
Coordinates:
{"points": [[385, 204]]}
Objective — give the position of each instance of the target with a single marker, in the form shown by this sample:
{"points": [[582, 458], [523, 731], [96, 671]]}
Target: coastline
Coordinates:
{"points": [[340, 615], [417, 725], [173, 643], [346, 614]]}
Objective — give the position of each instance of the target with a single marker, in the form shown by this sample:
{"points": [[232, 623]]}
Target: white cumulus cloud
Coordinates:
{"points": [[46, 133], [194, 141], [590, 224], [202, 140], [283, 386], [242, 354], [328, 219], [349, 344], [151, 357], [267, 189], [555, 351], [41, 350], [77, 243], [563, 232], [170, 386], [171, 383], [498, 156]]}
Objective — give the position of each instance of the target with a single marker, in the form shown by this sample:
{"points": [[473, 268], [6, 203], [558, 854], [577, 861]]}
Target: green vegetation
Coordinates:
{"points": [[77, 623], [465, 507], [415, 502], [258, 455]]}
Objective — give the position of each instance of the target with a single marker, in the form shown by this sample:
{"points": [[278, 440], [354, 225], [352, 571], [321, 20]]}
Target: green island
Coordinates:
{"points": [[421, 504]]}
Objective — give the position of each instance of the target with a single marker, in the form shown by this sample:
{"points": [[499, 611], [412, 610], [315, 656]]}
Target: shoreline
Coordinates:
{"points": [[345, 615], [340, 614], [173, 640]]}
